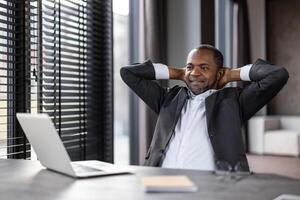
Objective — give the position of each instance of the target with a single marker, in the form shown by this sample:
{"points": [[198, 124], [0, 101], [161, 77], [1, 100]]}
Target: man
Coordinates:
{"points": [[199, 126]]}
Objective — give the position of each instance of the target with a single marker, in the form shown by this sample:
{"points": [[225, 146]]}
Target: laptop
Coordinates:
{"points": [[42, 135]]}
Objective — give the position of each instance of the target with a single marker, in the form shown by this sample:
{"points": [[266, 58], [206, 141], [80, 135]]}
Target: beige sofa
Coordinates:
{"points": [[274, 135]]}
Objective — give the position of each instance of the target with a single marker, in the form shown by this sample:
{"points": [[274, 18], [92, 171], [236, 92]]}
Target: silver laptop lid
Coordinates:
{"points": [[43, 137]]}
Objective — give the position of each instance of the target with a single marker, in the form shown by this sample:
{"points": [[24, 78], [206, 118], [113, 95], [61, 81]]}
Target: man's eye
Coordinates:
{"points": [[189, 66], [204, 67]]}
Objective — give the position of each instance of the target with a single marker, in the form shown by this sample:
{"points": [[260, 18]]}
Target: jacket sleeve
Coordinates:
{"points": [[267, 81], [139, 77]]}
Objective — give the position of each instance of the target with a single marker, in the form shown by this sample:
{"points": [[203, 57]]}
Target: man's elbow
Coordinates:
{"points": [[284, 75], [123, 73]]}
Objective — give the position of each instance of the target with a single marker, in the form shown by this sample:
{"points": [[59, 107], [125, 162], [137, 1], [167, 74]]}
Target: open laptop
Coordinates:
{"points": [[43, 137]]}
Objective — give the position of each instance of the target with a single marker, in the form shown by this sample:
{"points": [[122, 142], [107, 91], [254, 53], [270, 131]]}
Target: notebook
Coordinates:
{"points": [[287, 197], [168, 184]]}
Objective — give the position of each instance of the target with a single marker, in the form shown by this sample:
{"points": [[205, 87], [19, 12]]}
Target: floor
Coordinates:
{"points": [[281, 165]]}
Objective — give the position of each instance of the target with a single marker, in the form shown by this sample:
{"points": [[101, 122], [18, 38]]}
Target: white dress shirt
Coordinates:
{"points": [[190, 146]]}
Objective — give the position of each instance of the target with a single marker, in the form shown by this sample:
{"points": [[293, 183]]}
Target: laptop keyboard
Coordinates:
{"points": [[82, 168]]}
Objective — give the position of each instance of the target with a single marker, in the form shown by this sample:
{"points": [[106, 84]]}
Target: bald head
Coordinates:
{"points": [[218, 57]]}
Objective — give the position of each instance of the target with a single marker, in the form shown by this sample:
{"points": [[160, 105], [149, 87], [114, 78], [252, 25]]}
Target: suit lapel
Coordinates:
{"points": [[210, 105], [181, 100]]}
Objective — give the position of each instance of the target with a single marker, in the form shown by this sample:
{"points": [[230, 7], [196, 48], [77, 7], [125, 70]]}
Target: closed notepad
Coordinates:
{"points": [[168, 184]]}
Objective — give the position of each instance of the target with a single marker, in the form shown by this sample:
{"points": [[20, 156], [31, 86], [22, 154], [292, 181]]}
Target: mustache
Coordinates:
{"points": [[197, 78]]}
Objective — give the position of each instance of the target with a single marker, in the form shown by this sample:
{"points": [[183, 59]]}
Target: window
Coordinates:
{"points": [[56, 58], [76, 75], [18, 51], [63, 76], [121, 91]]}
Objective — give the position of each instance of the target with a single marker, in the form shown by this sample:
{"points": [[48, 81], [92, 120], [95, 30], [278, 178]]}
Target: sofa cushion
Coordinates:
{"points": [[282, 142]]}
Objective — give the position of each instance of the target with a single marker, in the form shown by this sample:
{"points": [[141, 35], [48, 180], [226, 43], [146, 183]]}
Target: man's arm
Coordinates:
{"points": [[176, 73], [229, 75], [266, 81], [139, 77], [236, 74]]}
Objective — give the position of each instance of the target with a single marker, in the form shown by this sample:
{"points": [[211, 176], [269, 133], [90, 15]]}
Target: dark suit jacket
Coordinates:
{"points": [[226, 110]]}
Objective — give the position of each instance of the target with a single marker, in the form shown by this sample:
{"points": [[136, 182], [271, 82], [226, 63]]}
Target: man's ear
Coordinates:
{"points": [[220, 73]]}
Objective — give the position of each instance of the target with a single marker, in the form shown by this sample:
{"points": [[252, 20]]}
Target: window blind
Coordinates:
{"points": [[76, 75], [18, 56], [100, 80], [64, 89], [56, 58]]}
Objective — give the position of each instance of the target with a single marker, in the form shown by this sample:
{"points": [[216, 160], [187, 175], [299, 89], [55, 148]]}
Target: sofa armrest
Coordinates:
{"points": [[256, 129]]}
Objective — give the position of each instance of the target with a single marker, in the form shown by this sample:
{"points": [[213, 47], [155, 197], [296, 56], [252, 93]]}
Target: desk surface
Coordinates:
{"points": [[28, 180]]}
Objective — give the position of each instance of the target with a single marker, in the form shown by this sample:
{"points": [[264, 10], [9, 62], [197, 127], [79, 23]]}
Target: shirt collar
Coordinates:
{"points": [[201, 96]]}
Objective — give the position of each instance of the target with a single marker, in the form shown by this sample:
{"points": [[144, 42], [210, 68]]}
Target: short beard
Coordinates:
{"points": [[202, 90]]}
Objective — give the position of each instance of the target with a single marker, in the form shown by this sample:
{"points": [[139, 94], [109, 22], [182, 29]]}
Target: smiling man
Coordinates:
{"points": [[199, 126]]}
